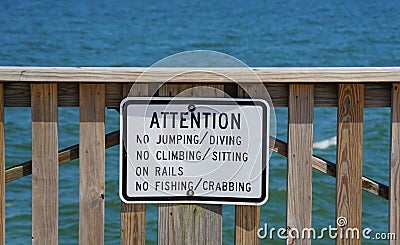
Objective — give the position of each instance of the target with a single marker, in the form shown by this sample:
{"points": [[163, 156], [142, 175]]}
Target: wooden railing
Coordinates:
{"points": [[299, 89]]}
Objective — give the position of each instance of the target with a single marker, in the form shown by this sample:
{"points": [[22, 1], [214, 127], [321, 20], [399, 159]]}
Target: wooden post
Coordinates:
{"points": [[349, 161], [394, 203], [133, 216], [247, 218], [2, 170], [189, 223], [44, 164], [299, 173], [133, 224], [247, 223], [91, 164]]}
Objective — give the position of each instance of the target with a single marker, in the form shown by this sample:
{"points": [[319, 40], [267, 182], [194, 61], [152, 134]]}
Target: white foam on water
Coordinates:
{"points": [[324, 144]]}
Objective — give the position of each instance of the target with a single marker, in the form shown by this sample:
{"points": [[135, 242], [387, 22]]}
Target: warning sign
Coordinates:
{"points": [[201, 150]]}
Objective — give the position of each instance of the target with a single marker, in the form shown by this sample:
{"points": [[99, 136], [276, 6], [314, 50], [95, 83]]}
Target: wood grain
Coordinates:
{"points": [[300, 147], [190, 223], [68, 94], [325, 94], [133, 216], [91, 163], [112, 139], [329, 168], [394, 202], [247, 218], [44, 164], [377, 94], [65, 155], [247, 223], [2, 168], [155, 75], [349, 158], [133, 224]]}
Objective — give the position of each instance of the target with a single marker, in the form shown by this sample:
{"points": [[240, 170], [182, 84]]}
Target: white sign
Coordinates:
{"points": [[194, 150]]}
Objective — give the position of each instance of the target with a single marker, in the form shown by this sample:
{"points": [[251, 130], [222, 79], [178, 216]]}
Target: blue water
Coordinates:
{"points": [[139, 33]]}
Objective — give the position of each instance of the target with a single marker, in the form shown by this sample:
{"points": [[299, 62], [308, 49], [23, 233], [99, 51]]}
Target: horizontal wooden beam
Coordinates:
{"points": [[329, 168], [65, 155], [325, 94], [276, 145], [130, 74]]}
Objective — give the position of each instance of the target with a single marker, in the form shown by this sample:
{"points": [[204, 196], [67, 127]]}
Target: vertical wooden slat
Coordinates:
{"points": [[349, 161], [133, 216], [247, 218], [299, 173], [190, 223], [2, 169], [394, 202], [44, 164], [91, 163], [133, 224], [247, 223]]}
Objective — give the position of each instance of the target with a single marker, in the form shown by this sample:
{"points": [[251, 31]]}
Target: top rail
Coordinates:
{"points": [[130, 74]]}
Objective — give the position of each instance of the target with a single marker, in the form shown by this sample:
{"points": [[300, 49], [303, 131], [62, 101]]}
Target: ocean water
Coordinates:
{"points": [[139, 33]]}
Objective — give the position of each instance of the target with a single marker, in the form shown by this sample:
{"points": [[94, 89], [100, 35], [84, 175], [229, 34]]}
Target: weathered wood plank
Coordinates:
{"points": [[126, 88], [247, 218], [329, 168], [247, 223], [17, 95], [130, 74], [376, 94], [140, 90], [133, 224], [325, 95], [349, 159], [68, 94], [2, 168], [112, 139], [133, 216], [65, 155], [299, 173], [44, 164], [114, 93], [190, 223], [91, 163], [394, 203]]}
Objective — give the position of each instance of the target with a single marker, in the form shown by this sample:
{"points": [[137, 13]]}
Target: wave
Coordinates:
{"points": [[324, 144]]}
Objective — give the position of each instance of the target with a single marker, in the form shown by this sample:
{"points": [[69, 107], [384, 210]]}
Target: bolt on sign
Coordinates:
{"points": [[194, 150]]}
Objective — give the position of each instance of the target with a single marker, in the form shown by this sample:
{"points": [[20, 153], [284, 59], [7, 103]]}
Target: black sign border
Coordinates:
{"points": [[193, 199]]}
